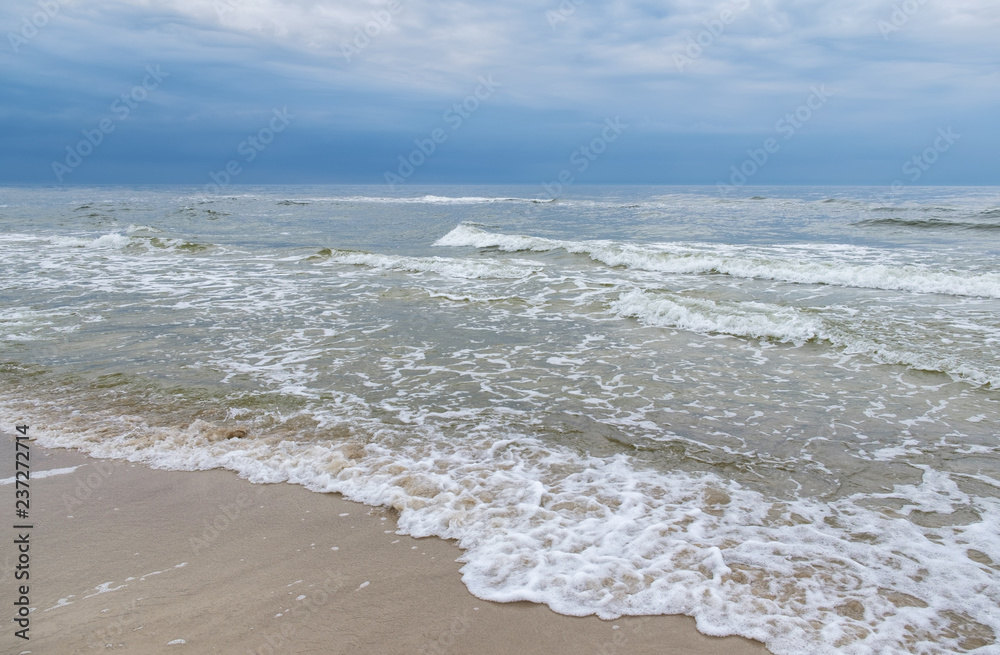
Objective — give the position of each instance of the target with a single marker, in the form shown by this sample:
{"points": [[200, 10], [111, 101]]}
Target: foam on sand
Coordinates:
{"points": [[37, 475], [588, 535]]}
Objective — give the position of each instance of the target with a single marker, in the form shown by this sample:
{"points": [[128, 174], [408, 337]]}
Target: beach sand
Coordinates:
{"points": [[124, 558]]}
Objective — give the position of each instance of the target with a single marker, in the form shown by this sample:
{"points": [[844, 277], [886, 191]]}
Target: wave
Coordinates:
{"points": [[931, 223], [130, 242], [474, 200], [590, 535], [913, 208], [746, 319], [783, 324], [837, 265], [133, 228], [423, 200], [444, 266], [113, 241]]}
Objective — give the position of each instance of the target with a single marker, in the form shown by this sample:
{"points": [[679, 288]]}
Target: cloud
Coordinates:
{"points": [[375, 68]]}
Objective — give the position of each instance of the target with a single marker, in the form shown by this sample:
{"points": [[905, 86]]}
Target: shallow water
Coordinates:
{"points": [[774, 414]]}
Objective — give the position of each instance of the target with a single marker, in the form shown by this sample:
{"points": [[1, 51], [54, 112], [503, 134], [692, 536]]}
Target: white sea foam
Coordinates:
{"points": [[37, 475], [445, 266], [470, 398], [427, 200], [839, 265], [113, 241], [743, 319], [471, 200], [588, 535], [757, 320], [129, 241], [133, 228]]}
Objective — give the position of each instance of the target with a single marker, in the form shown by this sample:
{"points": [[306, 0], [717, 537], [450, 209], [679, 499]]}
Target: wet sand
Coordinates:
{"points": [[124, 558]]}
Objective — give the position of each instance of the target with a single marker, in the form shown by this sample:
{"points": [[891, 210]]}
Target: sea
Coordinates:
{"points": [[774, 410]]}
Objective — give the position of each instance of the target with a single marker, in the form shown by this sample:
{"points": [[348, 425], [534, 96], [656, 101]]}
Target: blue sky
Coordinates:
{"points": [[786, 91]]}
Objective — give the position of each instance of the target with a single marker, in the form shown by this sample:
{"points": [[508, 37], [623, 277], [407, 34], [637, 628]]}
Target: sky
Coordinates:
{"points": [[543, 92]]}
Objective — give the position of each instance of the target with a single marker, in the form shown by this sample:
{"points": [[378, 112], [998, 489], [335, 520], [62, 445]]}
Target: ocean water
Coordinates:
{"points": [[776, 413]]}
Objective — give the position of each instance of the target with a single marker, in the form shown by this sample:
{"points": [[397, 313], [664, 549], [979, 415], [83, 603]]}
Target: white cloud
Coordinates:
{"points": [[605, 57]]}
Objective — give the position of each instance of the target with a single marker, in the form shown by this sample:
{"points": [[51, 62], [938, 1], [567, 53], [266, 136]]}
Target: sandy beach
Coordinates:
{"points": [[124, 558]]}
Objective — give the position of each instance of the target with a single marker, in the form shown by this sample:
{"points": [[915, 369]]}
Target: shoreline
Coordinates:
{"points": [[126, 558]]}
